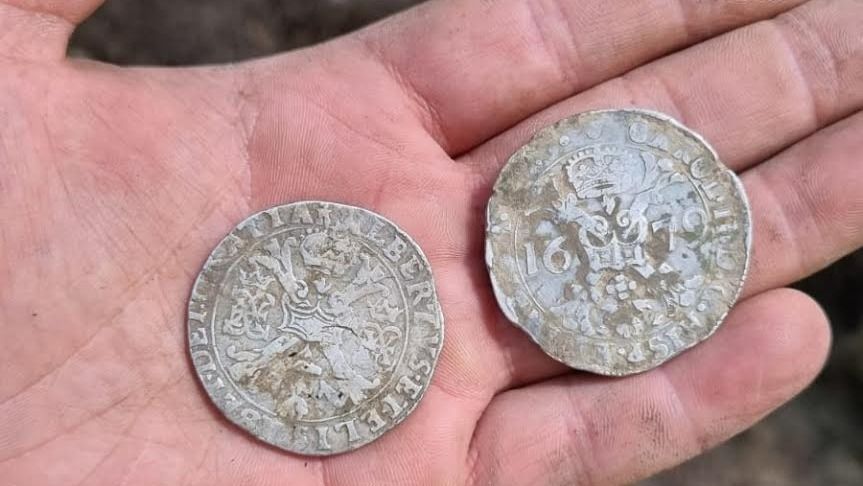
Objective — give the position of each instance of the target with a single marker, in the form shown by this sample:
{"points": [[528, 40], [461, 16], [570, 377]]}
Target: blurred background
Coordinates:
{"points": [[817, 439]]}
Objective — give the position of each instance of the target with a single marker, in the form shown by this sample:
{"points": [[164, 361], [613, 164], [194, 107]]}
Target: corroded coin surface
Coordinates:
{"points": [[616, 240], [315, 326]]}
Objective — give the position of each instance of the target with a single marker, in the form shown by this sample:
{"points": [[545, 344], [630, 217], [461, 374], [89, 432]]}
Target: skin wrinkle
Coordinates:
{"points": [[101, 462], [326, 476], [674, 99], [785, 232], [66, 430], [245, 90], [582, 443], [132, 467], [510, 363], [100, 111], [30, 7], [191, 147], [472, 456], [701, 442], [794, 63], [683, 15], [833, 71], [568, 66], [665, 97], [40, 23], [475, 396], [131, 425], [576, 426], [473, 384], [133, 291], [61, 364], [331, 116], [167, 318], [59, 172], [382, 189], [814, 209], [805, 204], [430, 118], [472, 460], [759, 384], [188, 478], [125, 433]]}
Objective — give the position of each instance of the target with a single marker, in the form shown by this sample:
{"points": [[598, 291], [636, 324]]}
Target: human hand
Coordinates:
{"points": [[115, 184]]}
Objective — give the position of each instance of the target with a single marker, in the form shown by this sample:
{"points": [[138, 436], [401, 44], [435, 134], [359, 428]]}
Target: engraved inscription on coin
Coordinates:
{"points": [[616, 240], [315, 326]]}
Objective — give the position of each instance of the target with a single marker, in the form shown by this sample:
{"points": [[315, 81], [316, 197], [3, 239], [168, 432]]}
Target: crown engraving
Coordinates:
{"points": [[604, 171]]}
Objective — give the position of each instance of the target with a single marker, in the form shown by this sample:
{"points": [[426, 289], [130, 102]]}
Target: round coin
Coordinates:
{"points": [[315, 326], [617, 239]]}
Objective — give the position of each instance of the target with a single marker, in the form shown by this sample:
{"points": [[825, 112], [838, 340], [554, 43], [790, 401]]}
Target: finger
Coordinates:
{"points": [[750, 92], [580, 430], [476, 68], [40, 29], [807, 206]]}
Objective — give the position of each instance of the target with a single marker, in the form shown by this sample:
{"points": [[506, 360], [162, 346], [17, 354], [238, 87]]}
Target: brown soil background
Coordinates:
{"points": [[817, 439]]}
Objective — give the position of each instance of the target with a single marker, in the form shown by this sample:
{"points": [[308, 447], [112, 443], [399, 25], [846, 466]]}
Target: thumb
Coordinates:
{"points": [[40, 29]]}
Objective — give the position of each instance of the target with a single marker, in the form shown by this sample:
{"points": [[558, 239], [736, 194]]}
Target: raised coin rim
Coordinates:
{"points": [[409, 407]]}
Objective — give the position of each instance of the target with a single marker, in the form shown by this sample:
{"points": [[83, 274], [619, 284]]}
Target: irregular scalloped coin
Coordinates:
{"points": [[617, 239], [315, 326]]}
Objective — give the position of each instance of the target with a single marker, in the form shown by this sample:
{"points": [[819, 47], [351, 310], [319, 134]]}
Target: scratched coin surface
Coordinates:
{"points": [[315, 326], [617, 239]]}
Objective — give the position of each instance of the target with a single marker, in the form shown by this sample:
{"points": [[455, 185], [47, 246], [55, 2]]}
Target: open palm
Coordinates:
{"points": [[116, 183]]}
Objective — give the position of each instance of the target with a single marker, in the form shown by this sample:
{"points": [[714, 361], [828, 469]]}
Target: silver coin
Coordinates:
{"points": [[315, 326], [617, 239]]}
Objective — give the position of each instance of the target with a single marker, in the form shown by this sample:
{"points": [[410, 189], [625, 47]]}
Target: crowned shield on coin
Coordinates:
{"points": [[617, 239], [315, 326]]}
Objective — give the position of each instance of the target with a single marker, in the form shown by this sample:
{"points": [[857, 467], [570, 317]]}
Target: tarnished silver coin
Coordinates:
{"points": [[617, 239], [315, 326]]}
